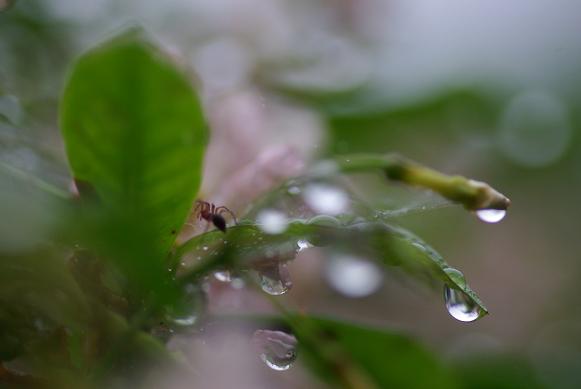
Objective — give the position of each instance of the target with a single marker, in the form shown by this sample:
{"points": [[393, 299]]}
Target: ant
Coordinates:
{"points": [[210, 213]]}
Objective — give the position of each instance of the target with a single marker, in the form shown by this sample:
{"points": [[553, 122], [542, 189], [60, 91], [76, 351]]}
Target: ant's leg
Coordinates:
{"points": [[221, 210]]}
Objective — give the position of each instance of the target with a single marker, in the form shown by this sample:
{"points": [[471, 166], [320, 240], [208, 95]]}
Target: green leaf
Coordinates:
{"points": [[393, 246], [135, 137], [134, 130]]}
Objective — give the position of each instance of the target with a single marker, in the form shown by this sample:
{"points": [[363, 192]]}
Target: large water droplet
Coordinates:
{"points": [[491, 215], [460, 306], [272, 221], [275, 278], [326, 199], [353, 276], [277, 349]]}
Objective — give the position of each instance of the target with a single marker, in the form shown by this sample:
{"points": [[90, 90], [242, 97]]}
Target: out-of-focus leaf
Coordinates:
{"points": [[498, 372], [366, 357], [371, 130], [134, 132]]}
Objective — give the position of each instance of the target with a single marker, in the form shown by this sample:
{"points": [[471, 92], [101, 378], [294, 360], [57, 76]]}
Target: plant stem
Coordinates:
{"points": [[473, 195]]}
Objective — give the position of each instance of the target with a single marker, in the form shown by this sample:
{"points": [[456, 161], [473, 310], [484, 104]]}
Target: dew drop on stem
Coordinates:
{"points": [[491, 215], [275, 278]]}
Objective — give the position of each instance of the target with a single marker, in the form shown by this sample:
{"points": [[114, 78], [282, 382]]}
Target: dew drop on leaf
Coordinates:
{"points": [[353, 276], [277, 349], [491, 215], [275, 278], [460, 306]]}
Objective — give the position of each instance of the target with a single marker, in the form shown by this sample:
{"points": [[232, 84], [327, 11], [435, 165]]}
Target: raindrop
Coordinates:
{"points": [[303, 244], [456, 276], [272, 221], [223, 276], [491, 215], [277, 349], [274, 278], [460, 306], [353, 276], [326, 199]]}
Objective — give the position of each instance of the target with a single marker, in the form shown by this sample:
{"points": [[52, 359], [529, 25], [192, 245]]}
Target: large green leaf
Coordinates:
{"points": [[134, 130]]}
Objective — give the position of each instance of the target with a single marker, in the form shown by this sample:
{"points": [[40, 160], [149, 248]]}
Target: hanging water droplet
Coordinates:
{"points": [[326, 199], [223, 276], [303, 244], [274, 278], [456, 276], [272, 221], [491, 215], [277, 349], [186, 310], [460, 306], [353, 276]]}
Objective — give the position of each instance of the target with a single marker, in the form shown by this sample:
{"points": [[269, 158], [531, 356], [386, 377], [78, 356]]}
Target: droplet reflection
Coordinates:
{"points": [[272, 221], [326, 199], [460, 306], [277, 349]]}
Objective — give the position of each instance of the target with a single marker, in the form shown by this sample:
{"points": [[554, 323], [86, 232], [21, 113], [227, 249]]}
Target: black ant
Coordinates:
{"points": [[212, 214]]}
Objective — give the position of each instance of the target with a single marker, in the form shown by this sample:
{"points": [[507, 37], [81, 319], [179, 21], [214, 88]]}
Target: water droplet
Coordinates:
{"points": [[294, 190], [223, 276], [303, 244], [205, 248], [277, 349], [272, 221], [491, 215], [456, 276], [274, 278], [353, 276], [460, 306], [326, 199]]}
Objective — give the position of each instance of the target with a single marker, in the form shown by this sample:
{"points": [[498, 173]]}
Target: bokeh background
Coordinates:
{"points": [[489, 90]]}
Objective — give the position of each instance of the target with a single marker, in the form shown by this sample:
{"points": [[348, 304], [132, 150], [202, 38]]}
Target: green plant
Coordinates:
{"points": [[102, 285]]}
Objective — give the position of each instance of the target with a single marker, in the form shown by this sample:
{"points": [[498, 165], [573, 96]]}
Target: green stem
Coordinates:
{"points": [[473, 195]]}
